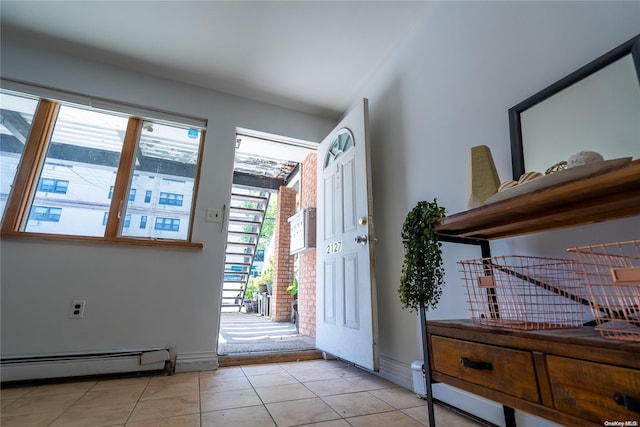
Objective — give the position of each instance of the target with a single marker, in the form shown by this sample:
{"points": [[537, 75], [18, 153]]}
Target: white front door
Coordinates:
{"points": [[346, 312]]}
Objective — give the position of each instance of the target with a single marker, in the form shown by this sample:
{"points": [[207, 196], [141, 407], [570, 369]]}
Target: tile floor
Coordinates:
{"points": [[318, 392]]}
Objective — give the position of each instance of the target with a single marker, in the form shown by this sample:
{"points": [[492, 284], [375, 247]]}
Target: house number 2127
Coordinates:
{"points": [[334, 247]]}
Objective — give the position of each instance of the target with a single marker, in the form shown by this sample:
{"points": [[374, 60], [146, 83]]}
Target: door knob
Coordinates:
{"points": [[361, 239]]}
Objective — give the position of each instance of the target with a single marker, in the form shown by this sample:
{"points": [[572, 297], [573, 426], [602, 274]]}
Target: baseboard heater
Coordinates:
{"points": [[86, 364]]}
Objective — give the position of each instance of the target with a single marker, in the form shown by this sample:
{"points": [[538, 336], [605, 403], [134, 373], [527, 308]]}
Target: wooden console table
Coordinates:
{"points": [[570, 376]]}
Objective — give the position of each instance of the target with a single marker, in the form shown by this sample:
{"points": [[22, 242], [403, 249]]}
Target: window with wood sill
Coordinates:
{"points": [[76, 172]]}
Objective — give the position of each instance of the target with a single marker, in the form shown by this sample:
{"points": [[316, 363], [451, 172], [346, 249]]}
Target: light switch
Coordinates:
{"points": [[214, 215]]}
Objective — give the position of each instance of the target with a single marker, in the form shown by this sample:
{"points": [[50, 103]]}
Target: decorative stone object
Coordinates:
{"points": [[528, 176], [507, 184], [560, 166], [584, 158], [483, 175]]}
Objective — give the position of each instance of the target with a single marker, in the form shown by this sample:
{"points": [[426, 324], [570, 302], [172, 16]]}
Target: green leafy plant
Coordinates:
{"points": [[293, 288], [422, 271], [252, 289], [266, 275]]}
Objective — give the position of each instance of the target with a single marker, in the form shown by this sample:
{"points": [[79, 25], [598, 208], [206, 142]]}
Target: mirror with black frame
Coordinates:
{"points": [[596, 108]]}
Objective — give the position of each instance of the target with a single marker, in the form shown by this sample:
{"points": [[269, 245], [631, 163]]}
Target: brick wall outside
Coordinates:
{"points": [[307, 262], [282, 261]]}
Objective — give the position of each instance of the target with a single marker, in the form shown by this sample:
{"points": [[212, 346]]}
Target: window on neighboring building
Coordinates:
{"points": [[167, 224], [127, 221], [171, 199], [45, 213], [50, 185], [85, 152]]}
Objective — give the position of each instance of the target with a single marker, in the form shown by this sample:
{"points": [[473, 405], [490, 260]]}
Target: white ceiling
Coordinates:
{"points": [[313, 56]]}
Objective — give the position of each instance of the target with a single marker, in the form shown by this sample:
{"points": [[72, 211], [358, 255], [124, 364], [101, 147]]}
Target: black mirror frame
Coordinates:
{"points": [[515, 128]]}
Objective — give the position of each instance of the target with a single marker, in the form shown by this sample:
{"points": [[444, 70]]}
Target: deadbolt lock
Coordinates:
{"points": [[362, 220]]}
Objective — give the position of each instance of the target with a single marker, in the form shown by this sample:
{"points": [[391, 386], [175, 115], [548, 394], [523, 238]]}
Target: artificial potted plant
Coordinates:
{"points": [[422, 272]]}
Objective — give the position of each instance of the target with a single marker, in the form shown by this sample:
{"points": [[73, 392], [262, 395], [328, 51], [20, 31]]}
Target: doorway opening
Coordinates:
{"points": [[268, 298]]}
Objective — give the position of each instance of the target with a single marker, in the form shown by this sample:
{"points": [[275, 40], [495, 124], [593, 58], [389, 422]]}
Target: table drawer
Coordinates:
{"points": [[587, 389], [506, 370]]}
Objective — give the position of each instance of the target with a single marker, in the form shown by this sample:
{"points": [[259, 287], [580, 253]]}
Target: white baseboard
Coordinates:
{"points": [[480, 407], [197, 361], [76, 365], [397, 372]]}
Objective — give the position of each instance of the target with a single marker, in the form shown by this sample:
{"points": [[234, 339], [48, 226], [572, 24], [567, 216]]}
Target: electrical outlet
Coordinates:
{"points": [[214, 215], [77, 309]]}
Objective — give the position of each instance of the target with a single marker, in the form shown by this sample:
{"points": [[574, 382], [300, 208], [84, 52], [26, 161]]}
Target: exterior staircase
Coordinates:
{"points": [[246, 216]]}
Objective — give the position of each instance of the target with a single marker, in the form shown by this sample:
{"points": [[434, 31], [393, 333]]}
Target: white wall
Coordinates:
{"points": [[448, 88], [137, 297]]}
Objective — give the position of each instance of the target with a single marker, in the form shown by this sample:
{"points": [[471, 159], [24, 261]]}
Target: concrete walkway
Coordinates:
{"points": [[248, 333]]}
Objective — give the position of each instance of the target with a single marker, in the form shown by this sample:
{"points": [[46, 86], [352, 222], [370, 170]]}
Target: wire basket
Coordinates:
{"points": [[612, 276], [524, 292]]}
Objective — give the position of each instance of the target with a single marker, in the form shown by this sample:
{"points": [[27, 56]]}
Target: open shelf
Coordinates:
{"points": [[602, 196]]}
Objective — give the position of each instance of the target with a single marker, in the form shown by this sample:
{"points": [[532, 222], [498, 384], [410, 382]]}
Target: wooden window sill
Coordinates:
{"points": [[108, 240]]}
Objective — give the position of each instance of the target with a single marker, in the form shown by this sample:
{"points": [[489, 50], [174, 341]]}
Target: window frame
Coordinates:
{"points": [[28, 174]]}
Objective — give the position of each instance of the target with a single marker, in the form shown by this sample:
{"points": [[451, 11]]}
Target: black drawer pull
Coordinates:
{"points": [[627, 401], [475, 365]]}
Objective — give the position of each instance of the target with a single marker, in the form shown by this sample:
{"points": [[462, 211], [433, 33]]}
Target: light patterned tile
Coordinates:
{"points": [[14, 393], [398, 397], [267, 368], [30, 420], [186, 378], [443, 416], [419, 414], [106, 397], [231, 371], [180, 421], [313, 365], [305, 366], [332, 423], [395, 418], [281, 393], [253, 416], [224, 383], [95, 415], [121, 383], [162, 391], [268, 380], [314, 375], [298, 412], [41, 404], [165, 408], [57, 389], [348, 371], [355, 404], [6, 402], [371, 382], [213, 400], [333, 386]]}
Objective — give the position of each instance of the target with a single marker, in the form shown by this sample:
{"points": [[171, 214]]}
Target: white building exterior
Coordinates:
{"points": [[74, 198]]}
